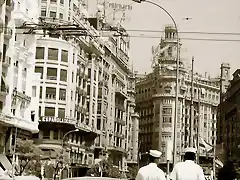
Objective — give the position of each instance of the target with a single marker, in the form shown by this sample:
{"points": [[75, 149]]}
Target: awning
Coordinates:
{"points": [[5, 162]]}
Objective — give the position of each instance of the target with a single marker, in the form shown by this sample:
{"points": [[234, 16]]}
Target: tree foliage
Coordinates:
{"points": [[55, 167], [132, 172], [106, 168], [29, 156]]}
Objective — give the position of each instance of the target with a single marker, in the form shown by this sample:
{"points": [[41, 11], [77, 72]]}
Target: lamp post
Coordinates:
{"points": [[75, 130], [177, 78]]}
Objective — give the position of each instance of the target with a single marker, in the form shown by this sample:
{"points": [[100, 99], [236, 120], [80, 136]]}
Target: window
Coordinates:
{"points": [[95, 75], [39, 70], [34, 89], [55, 134], [94, 91], [53, 1], [62, 2], [73, 77], [40, 93], [88, 89], [46, 134], [50, 93], [62, 94], [60, 16], [64, 56], [61, 113], [63, 75], [52, 54], [89, 73], [53, 14], [39, 53], [98, 124], [49, 111], [52, 73], [43, 13]]}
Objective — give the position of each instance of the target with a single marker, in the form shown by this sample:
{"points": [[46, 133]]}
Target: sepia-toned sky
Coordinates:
{"points": [[212, 16]]}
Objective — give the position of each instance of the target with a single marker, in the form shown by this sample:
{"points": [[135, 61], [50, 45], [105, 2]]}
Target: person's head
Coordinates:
{"points": [[190, 154], [154, 156]]}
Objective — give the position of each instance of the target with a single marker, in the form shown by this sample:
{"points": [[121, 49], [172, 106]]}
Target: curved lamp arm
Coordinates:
{"points": [[75, 130]]}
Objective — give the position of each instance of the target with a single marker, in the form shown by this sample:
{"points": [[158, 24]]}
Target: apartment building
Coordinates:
{"points": [[228, 123], [84, 86], [19, 84], [156, 102]]}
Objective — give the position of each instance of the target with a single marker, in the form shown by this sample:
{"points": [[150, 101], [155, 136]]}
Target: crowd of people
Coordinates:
{"points": [[186, 170]]}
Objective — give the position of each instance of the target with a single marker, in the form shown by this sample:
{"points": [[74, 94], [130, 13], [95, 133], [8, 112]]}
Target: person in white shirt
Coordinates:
{"points": [[188, 170], [151, 171]]}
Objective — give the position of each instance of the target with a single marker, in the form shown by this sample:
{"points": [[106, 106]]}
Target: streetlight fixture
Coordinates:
{"points": [[177, 79], [75, 130]]}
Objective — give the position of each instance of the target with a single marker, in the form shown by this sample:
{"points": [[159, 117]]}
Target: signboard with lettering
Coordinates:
{"points": [[116, 11]]}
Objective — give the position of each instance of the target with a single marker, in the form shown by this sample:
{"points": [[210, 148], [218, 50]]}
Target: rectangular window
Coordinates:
{"points": [[53, 14], [89, 73], [61, 113], [50, 93], [46, 134], [43, 13], [39, 70], [60, 16], [63, 75], [34, 89], [52, 73], [52, 54], [40, 93], [64, 56], [55, 134], [62, 94], [49, 111], [88, 89], [40, 53], [62, 2], [95, 75]]}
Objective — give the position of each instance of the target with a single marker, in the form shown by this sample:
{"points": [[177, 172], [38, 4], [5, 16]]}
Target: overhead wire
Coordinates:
{"points": [[158, 37]]}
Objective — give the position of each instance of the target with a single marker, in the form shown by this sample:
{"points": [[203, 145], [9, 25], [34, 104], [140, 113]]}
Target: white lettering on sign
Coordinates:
{"points": [[119, 6]]}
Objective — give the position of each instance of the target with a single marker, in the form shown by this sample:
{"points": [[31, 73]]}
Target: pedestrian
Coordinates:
{"points": [[227, 172], [151, 171], [188, 170]]}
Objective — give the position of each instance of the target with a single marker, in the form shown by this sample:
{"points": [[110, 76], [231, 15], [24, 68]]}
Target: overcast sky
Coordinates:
{"points": [[206, 16]]}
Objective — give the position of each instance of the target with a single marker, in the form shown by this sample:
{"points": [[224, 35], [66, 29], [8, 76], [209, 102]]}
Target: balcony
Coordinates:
{"points": [[120, 107], [8, 32], [119, 135], [116, 148], [6, 61], [5, 118], [22, 96], [82, 92], [120, 121], [121, 93], [53, 119]]}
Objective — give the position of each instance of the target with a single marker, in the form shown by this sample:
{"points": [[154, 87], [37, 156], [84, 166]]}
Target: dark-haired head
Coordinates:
{"points": [[153, 159], [190, 156]]}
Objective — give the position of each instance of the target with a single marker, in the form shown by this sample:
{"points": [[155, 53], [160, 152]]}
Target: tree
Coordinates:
{"points": [[29, 156], [61, 162], [132, 171], [106, 167]]}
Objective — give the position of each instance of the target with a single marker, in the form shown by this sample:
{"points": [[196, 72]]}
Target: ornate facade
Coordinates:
{"points": [[156, 102]]}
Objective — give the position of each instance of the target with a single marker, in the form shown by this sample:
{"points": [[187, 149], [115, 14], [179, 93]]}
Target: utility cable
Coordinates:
{"points": [[155, 37]]}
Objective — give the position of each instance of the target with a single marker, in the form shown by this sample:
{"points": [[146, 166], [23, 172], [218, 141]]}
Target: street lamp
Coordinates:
{"points": [[177, 78], [75, 130]]}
